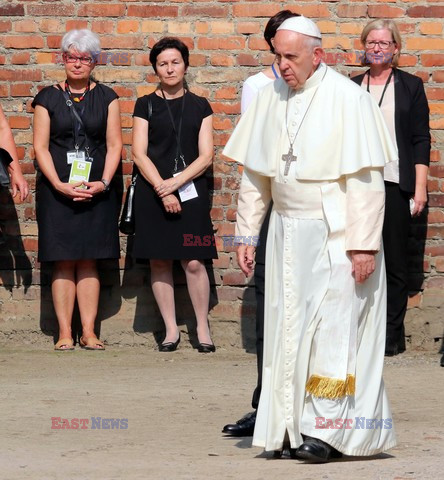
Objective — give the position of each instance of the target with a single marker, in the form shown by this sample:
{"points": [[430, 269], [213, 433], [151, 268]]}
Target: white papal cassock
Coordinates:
{"points": [[324, 334]]}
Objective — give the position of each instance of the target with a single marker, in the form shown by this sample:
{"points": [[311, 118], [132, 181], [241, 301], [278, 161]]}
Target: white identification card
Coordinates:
{"points": [[75, 155], [80, 171], [187, 191]]}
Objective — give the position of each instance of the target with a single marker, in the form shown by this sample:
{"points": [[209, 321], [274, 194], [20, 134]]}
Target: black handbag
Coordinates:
{"points": [[5, 160], [127, 224]]}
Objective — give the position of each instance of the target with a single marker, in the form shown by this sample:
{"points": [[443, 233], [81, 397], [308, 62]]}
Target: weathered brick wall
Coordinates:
{"points": [[225, 38]]}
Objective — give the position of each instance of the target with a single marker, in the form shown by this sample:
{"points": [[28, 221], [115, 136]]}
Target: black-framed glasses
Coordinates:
{"points": [[73, 59], [383, 45]]}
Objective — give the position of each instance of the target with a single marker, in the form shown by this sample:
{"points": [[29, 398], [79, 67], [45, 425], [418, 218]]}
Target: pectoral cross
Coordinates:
{"points": [[288, 158]]}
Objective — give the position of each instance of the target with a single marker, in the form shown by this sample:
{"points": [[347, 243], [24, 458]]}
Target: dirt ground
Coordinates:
{"points": [[175, 405]]}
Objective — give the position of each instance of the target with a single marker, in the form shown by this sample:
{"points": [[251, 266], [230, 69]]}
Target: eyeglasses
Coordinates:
{"points": [[73, 59], [383, 45]]}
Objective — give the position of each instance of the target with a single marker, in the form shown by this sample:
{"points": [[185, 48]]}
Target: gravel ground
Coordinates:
{"points": [[168, 411]]}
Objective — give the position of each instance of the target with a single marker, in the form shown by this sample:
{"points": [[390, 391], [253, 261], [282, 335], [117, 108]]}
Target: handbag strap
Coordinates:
{"points": [[135, 169]]}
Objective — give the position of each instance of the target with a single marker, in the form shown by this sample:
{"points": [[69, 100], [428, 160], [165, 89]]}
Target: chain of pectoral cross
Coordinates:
{"points": [[288, 158]]}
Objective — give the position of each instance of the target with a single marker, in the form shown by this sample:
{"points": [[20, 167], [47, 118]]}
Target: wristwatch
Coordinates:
{"points": [[106, 183]]}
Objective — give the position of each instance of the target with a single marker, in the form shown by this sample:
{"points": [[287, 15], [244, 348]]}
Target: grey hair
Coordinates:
{"points": [[84, 41], [312, 42]]}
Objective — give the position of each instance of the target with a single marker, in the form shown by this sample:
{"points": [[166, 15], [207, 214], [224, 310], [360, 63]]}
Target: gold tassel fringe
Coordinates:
{"points": [[324, 387]]}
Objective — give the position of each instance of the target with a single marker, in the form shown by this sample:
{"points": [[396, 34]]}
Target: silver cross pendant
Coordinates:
{"points": [[288, 158]]}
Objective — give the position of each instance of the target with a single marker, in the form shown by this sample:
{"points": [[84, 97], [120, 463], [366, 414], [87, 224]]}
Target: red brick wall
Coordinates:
{"points": [[225, 38]]}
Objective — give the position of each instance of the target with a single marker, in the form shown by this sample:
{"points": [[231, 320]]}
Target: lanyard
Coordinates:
{"points": [[177, 133], [385, 86], [274, 71], [77, 122]]}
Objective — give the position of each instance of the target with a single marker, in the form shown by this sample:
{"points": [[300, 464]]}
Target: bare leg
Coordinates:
{"points": [[63, 295], [88, 291], [163, 289], [199, 290]]}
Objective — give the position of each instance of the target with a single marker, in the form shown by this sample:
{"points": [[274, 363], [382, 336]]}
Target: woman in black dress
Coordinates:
{"points": [[77, 216], [173, 146]]}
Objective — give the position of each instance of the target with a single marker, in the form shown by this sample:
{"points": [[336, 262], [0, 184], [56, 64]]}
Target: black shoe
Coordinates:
{"points": [[243, 427], [316, 451], [206, 348], [286, 452], [442, 361], [169, 346]]}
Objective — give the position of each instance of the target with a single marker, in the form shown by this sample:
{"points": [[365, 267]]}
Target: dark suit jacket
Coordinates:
{"points": [[411, 125]]}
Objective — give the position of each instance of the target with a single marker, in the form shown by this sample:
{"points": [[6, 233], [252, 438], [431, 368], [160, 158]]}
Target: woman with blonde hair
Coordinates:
{"points": [[403, 103]]}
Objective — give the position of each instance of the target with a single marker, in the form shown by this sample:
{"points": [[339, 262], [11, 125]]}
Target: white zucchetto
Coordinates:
{"points": [[301, 25]]}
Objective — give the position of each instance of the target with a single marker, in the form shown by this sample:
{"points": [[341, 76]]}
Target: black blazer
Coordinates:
{"points": [[411, 125]]}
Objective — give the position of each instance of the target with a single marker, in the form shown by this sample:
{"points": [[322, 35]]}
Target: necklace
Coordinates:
{"points": [[82, 96], [385, 86], [289, 157]]}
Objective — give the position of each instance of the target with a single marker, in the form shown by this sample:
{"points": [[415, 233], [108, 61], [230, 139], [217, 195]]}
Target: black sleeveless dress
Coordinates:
{"points": [[76, 230], [161, 235]]}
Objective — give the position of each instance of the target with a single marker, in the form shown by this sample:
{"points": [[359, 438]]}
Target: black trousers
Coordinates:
{"points": [[395, 235], [259, 287]]}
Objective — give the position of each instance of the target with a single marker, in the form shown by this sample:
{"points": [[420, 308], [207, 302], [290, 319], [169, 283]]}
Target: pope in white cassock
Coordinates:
{"points": [[316, 144]]}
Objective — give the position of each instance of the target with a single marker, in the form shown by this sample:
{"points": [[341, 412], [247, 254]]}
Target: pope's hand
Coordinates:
{"points": [[245, 258], [363, 265]]}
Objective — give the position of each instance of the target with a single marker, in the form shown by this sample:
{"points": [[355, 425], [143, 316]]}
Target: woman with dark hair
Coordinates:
{"points": [[403, 103], [172, 148], [256, 82]]}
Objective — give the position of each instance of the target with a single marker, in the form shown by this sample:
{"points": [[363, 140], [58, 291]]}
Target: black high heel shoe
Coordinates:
{"points": [[169, 346], [206, 348]]}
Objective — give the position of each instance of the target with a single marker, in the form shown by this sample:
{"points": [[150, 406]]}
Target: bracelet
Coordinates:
{"points": [[106, 183]]}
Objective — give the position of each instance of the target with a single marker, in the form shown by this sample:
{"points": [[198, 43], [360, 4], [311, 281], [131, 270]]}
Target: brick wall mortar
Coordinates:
{"points": [[226, 43]]}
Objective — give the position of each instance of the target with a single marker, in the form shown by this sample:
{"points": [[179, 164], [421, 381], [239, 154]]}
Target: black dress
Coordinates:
{"points": [[71, 230], [162, 235]]}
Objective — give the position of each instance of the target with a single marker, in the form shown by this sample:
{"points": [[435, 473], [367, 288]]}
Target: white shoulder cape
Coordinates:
{"points": [[342, 133]]}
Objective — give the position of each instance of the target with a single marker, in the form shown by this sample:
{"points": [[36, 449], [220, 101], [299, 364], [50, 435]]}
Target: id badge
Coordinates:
{"points": [[80, 171], [187, 191], [75, 155]]}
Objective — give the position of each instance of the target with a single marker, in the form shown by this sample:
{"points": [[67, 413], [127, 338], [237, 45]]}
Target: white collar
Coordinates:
{"points": [[315, 79]]}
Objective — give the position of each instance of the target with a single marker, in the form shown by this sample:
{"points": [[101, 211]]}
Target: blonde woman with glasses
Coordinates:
{"points": [[403, 104]]}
